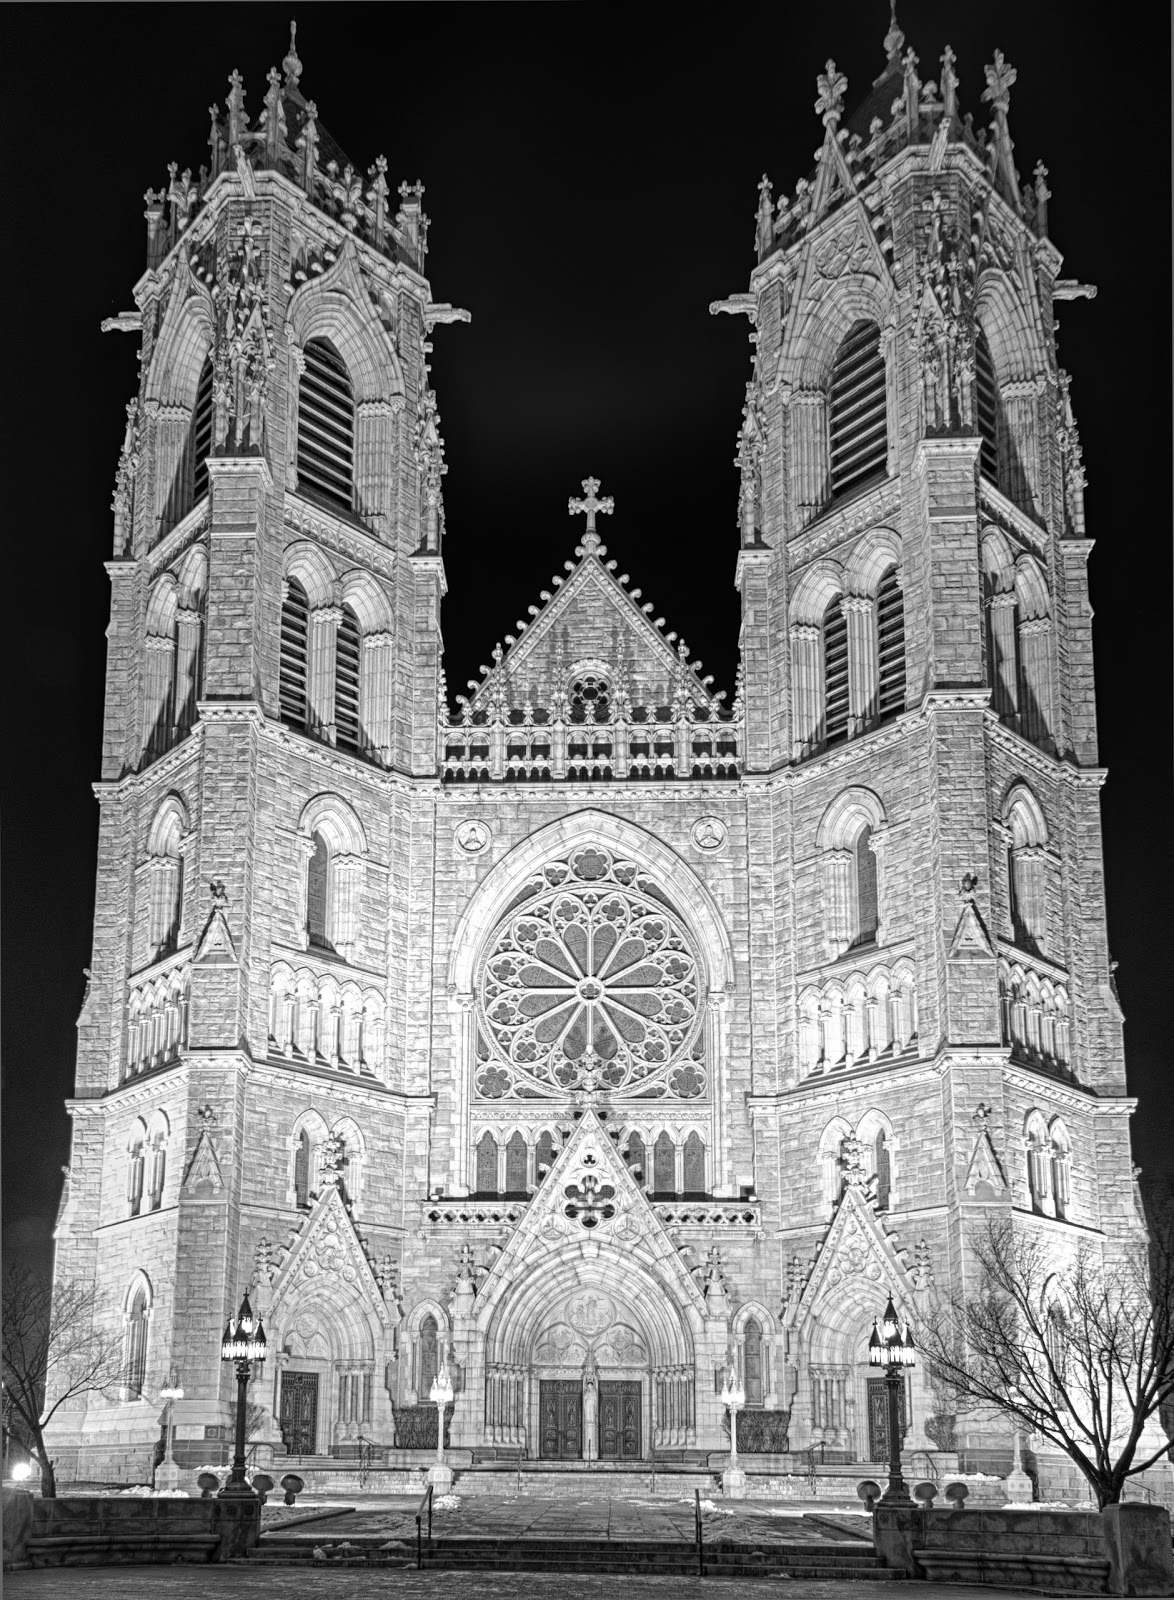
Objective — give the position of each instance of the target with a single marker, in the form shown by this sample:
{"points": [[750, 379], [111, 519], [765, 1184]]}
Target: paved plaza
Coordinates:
{"points": [[314, 1583]]}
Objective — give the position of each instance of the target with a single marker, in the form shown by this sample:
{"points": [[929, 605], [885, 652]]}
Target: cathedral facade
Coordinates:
{"points": [[592, 1027]]}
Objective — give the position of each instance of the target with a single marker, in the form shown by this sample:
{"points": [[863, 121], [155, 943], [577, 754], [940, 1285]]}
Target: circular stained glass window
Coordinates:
{"points": [[589, 983]]}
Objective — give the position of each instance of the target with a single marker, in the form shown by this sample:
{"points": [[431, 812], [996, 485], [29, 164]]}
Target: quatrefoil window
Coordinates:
{"points": [[590, 983]]}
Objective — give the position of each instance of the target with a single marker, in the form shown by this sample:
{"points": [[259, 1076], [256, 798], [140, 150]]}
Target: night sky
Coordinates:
{"points": [[591, 178]]}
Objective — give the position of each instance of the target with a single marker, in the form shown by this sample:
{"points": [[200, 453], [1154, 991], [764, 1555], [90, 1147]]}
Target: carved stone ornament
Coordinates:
{"points": [[708, 833], [204, 1167], [471, 836]]}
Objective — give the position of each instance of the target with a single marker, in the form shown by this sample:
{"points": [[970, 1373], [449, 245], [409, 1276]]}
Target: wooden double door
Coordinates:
{"points": [[560, 1419]]}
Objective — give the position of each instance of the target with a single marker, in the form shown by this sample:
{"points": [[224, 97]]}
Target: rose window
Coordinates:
{"points": [[590, 984]]}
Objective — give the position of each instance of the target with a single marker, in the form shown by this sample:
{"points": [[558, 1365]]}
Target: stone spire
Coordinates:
{"points": [[894, 39], [291, 66]]}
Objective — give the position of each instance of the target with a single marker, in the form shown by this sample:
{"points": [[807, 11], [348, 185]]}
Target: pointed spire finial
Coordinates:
{"points": [[832, 86], [894, 39], [291, 66], [764, 225]]}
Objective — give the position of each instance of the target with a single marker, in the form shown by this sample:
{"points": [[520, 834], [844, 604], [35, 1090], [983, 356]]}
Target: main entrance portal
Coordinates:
{"points": [[619, 1421], [560, 1419]]}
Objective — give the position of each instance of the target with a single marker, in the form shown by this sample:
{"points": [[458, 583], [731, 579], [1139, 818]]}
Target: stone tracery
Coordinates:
{"points": [[590, 983]]}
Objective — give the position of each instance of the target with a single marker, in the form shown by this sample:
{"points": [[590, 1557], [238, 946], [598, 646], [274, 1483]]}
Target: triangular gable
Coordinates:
{"points": [[591, 617], [216, 947], [855, 1246], [843, 248], [985, 1170], [576, 1187], [328, 1246], [834, 182], [204, 1167], [970, 937]]}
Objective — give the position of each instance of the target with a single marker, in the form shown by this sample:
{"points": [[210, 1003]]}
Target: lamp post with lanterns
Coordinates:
{"points": [[892, 1349], [733, 1397], [440, 1394], [243, 1343], [167, 1472]]}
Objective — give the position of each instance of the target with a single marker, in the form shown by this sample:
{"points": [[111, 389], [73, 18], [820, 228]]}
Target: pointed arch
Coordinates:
{"points": [[336, 305], [858, 409], [137, 1306]]}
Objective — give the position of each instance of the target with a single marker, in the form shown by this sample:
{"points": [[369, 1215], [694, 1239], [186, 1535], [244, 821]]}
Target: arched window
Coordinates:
{"points": [[866, 891], [158, 1170], [1061, 1151], [664, 1165], [295, 632], [1028, 865], [637, 1158], [201, 435], [515, 1165], [135, 1164], [1039, 1165], [302, 1171], [884, 1169], [890, 630], [346, 682], [693, 1178], [835, 673], [857, 424], [135, 1354], [752, 1372], [486, 1164], [166, 885], [326, 426], [318, 894], [986, 408], [429, 1357], [543, 1156]]}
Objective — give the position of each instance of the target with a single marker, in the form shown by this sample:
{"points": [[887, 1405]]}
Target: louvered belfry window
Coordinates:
{"points": [[858, 427], [295, 630], [890, 629], [835, 674], [987, 408], [326, 425], [346, 682], [202, 431]]}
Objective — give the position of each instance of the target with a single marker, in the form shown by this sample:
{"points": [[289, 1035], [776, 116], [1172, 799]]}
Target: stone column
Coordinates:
{"points": [[860, 612], [187, 668], [1004, 651], [375, 696], [323, 641], [806, 687], [809, 453]]}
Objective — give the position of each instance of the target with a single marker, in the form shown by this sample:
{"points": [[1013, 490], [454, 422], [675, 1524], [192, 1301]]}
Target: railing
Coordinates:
{"points": [[531, 750], [697, 1533], [425, 1504]]}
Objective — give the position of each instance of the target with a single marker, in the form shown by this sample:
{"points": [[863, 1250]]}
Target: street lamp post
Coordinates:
{"points": [[243, 1343], [167, 1472], [895, 1352], [441, 1392], [733, 1397]]}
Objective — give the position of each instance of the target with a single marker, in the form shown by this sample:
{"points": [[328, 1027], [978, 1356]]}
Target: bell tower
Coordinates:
{"points": [[916, 648], [277, 574]]}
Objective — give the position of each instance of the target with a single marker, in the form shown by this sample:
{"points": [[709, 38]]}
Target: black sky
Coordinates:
{"points": [[591, 177]]}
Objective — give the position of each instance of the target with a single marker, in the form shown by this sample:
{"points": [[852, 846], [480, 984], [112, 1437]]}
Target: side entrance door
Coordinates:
{"points": [[299, 1412], [619, 1420], [560, 1419], [878, 1418]]}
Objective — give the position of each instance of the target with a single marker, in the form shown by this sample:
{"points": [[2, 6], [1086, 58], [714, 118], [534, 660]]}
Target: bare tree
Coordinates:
{"points": [[1078, 1349], [54, 1351]]}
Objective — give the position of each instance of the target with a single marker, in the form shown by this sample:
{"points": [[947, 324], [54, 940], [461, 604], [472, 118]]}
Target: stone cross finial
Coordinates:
{"points": [[291, 66], [591, 504], [831, 85], [894, 39], [949, 83], [999, 78]]}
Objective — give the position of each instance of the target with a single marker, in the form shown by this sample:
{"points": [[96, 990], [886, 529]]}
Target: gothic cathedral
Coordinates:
{"points": [[592, 1028]]}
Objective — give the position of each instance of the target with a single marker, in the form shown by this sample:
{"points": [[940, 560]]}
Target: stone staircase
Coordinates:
{"points": [[830, 1559]]}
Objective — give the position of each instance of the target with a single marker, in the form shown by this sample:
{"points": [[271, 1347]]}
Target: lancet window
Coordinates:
{"points": [[301, 1170], [429, 1356], [857, 410], [986, 407], [835, 673], [156, 1155], [1028, 868], [165, 888], [135, 1169], [326, 426], [890, 629], [348, 651], [752, 1362], [201, 431], [295, 626], [137, 1315], [1039, 1163]]}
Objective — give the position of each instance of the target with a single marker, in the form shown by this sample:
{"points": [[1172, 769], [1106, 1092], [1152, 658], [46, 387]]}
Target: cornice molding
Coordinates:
{"points": [[307, 520]]}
